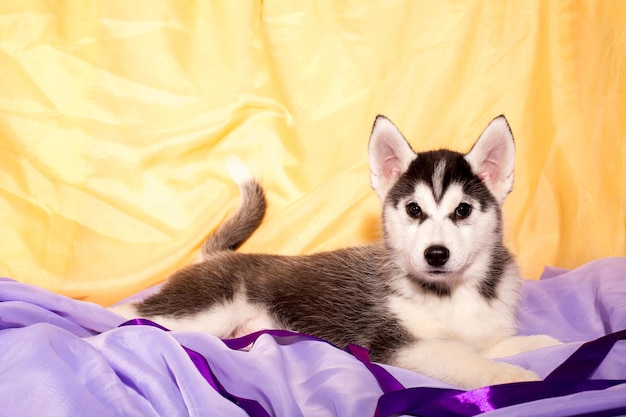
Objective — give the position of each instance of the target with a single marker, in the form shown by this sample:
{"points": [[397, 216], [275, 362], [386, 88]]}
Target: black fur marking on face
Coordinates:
{"points": [[479, 191], [457, 170]]}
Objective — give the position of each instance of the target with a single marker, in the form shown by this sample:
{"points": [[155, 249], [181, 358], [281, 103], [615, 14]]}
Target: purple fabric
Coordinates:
{"points": [[571, 377], [65, 357]]}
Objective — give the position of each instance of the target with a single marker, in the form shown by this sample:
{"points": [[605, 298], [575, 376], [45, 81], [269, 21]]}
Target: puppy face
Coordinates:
{"points": [[441, 209], [439, 217]]}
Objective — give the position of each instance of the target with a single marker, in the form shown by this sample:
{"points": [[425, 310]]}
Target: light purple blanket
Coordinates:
{"points": [[62, 357]]}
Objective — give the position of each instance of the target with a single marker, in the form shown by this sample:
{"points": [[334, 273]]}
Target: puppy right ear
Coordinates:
{"points": [[492, 158], [390, 156]]}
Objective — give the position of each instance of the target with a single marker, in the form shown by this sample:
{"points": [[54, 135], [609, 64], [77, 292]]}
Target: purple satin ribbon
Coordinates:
{"points": [[569, 378]]}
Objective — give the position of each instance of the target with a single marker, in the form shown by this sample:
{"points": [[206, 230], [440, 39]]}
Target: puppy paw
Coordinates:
{"points": [[506, 373], [517, 344], [494, 373], [542, 340]]}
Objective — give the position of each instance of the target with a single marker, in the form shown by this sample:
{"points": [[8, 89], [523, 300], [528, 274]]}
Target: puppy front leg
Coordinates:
{"points": [[517, 344], [458, 365]]}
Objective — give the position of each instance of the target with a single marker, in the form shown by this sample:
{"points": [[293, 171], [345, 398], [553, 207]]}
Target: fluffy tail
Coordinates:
{"points": [[237, 228]]}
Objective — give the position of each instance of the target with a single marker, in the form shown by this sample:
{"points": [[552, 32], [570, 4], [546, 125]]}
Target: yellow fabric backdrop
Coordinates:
{"points": [[116, 118]]}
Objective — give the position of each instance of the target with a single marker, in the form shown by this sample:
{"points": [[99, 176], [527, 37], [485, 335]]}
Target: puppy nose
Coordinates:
{"points": [[437, 255]]}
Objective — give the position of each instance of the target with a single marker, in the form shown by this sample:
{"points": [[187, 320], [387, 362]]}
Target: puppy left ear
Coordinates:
{"points": [[492, 158]]}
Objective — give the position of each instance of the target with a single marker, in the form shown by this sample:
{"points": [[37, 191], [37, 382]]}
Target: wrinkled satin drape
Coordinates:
{"points": [[116, 118]]}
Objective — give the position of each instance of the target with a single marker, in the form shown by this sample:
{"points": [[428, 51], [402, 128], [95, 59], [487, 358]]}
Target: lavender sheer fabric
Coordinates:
{"points": [[65, 357]]}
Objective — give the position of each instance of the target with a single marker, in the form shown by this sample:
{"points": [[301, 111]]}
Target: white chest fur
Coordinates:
{"points": [[465, 316]]}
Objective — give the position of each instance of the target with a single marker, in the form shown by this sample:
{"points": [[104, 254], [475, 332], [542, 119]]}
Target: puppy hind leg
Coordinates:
{"points": [[458, 365], [223, 320], [216, 321]]}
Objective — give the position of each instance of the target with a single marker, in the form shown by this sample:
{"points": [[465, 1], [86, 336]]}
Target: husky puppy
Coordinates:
{"points": [[437, 295]]}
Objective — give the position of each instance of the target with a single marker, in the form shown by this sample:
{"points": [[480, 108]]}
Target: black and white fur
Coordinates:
{"points": [[437, 295]]}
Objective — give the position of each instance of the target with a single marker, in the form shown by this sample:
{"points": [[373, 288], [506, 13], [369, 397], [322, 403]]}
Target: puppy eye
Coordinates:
{"points": [[463, 211], [413, 210]]}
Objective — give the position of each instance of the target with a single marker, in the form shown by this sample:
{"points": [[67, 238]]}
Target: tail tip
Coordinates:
{"points": [[238, 171]]}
